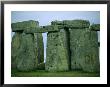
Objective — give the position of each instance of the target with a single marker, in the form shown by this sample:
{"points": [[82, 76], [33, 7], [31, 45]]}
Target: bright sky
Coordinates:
{"points": [[45, 18]]}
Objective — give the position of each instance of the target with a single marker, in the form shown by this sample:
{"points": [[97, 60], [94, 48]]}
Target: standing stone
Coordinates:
{"points": [[26, 55], [57, 53], [40, 47], [15, 45], [84, 50], [27, 49]]}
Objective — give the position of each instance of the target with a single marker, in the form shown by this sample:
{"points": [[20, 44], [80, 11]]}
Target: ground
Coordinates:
{"points": [[43, 73]]}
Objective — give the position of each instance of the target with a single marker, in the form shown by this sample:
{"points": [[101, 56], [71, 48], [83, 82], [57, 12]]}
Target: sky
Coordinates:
{"points": [[45, 18]]}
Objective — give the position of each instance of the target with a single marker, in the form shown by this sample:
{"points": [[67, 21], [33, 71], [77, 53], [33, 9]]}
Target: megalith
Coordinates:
{"points": [[71, 45], [83, 46], [15, 45], [27, 49], [57, 51]]}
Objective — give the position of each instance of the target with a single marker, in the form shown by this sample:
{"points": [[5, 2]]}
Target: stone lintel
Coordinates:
{"points": [[72, 23], [95, 27], [42, 29], [17, 30], [16, 27], [77, 23]]}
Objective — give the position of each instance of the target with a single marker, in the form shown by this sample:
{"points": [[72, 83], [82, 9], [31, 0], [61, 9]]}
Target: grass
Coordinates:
{"points": [[43, 73]]}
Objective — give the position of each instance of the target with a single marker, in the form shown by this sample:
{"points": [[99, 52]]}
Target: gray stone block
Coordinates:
{"points": [[15, 46], [84, 50], [40, 47], [95, 27], [57, 22], [57, 53], [26, 56], [77, 24], [42, 29], [27, 49], [21, 26]]}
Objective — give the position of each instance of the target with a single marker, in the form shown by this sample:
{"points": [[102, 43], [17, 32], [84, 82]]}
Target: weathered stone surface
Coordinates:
{"points": [[26, 56], [20, 26], [71, 44], [23, 53], [40, 47], [84, 50], [95, 27], [57, 23], [15, 46], [27, 49], [57, 53], [41, 66], [42, 29], [80, 24], [72, 24]]}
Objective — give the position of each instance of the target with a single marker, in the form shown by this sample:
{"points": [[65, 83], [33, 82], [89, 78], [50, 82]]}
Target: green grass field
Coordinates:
{"points": [[43, 73]]}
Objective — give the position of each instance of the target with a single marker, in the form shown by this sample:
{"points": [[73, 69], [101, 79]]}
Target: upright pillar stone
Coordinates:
{"points": [[25, 53], [39, 47], [57, 53], [84, 48], [15, 45]]}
